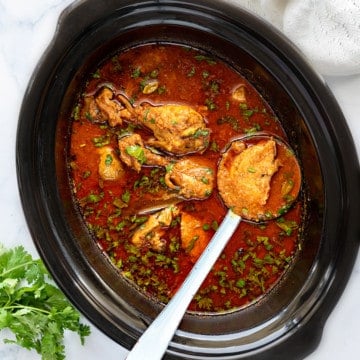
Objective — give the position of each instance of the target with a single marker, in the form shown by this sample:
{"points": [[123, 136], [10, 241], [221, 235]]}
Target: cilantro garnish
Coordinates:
{"points": [[137, 152], [32, 308]]}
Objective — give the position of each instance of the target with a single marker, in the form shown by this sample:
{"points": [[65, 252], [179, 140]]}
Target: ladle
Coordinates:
{"points": [[284, 181]]}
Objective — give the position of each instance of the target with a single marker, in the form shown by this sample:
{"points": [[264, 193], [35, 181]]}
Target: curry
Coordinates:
{"points": [[147, 137]]}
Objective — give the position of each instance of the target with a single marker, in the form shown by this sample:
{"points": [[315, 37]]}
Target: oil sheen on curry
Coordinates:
{"points": [[147, 136]]}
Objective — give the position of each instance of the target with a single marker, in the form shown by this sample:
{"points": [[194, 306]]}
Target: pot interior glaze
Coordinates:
{"points": [[90, 32]]}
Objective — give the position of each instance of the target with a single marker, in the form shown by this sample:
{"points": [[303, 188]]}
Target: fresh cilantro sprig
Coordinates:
{"points": [[33, 309]]}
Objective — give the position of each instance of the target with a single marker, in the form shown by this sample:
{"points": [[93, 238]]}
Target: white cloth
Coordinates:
{"points": [[326, 31]]}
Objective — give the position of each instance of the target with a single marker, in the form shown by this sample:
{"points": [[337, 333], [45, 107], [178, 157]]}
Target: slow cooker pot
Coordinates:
{"points": [[288, 322]]}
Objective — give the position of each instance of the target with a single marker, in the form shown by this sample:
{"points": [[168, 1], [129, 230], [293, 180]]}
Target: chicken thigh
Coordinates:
{"points": [[177, 129], [150, 233], [189, 177], [244, 177]]}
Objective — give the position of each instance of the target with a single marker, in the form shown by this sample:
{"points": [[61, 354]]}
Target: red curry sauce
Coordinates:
{"points": [[256, 256]]}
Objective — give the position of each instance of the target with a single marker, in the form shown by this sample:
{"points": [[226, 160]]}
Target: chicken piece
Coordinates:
{"points": [[193, 237], [239, 94], [110, 167], [150, 233], [190, 178], [109, 106], [92, 112], [244, 177], [177, 129], [134, 153], [103, 107]]}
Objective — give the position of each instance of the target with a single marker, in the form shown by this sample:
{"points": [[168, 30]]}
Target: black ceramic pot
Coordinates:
{"points": [[287, 323]]}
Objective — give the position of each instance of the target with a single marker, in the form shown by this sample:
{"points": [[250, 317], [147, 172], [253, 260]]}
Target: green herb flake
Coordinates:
{"points": [[204, 303], [86, 174], [116, 64], [258, 262], [100, 141], [268, 259], [192, 72], [205, 180], [161, 90], [154, 73], [206, 227], [214, 87], [136, 73], [96, 74], [288, 226], [231, 120], [139, 219], [125, 197], [214, 225], [210, 104], [119, 203], [169, 167], [205, 74], [200, 133], [119, 226], [192, 243], [240, 283], [76, 112], [207, 193], [248, 112], [209, 60], [92, 198], [214, 146], [108, 160], [88, 116], [137, 152], [174, 245]]}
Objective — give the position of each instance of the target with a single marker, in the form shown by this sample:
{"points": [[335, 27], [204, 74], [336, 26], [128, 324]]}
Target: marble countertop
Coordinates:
{"points": [[26, 28]]}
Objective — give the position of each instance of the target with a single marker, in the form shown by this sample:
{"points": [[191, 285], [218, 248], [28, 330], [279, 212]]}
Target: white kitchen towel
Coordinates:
{"points": [[326, 31]]}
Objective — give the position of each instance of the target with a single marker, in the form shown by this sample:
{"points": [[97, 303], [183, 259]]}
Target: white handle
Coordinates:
{"points": [[155, 340]]}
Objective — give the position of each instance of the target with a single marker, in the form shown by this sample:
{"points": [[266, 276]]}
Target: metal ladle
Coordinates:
{"points": [[154, 341]]}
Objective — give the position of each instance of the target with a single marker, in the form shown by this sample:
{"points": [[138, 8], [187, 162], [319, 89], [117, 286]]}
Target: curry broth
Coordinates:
{"points": [[256, 256]]}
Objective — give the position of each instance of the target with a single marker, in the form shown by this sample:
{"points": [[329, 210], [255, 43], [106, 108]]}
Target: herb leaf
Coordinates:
{"points": [[35, 310], [136, 152]]}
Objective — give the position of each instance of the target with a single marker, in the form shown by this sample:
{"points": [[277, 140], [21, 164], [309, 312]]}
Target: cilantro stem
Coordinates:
{"points": [[31, 308]]}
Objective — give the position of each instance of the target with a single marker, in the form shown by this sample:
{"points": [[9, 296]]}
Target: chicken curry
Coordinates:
{"points": [[148, 171]]}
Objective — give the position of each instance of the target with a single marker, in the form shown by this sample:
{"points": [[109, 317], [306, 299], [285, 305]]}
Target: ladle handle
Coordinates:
{"points": [[153, 343]]}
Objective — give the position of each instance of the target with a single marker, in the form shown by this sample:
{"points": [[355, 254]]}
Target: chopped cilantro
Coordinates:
{"points": [[137, 152]]}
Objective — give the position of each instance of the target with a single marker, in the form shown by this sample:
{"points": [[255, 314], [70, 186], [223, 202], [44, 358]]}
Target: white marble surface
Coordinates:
{"points": [[26, 28]]}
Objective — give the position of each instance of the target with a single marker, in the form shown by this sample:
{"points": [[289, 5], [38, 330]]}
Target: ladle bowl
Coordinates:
{"points": [[259, 176]]}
